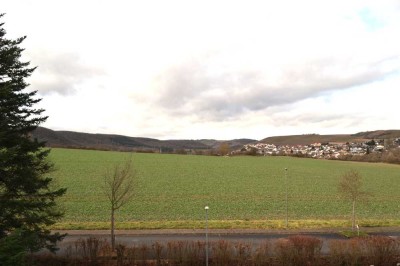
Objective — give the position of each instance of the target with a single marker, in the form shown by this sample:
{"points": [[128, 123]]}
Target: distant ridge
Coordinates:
{"points": [[379, 134], [315, 138], [70, 139]]}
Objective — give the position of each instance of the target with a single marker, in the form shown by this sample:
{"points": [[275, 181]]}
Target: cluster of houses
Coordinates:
{"points": [[320, 150]]}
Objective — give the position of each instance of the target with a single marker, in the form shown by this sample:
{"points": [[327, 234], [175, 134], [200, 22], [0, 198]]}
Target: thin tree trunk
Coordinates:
{"points": [[353, 223], [112, 229]]}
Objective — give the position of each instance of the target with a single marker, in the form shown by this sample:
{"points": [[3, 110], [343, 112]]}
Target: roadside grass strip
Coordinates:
{"points": [[226, 224]]}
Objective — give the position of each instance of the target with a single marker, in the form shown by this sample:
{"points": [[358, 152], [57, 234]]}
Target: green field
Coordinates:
{"points": [[244, 191]]}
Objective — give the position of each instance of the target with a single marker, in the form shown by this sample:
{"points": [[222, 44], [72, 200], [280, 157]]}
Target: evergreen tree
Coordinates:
{"points": [[27, 196]]}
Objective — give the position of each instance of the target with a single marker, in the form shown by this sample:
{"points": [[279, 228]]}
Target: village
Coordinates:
{"points": [[331, 150]]}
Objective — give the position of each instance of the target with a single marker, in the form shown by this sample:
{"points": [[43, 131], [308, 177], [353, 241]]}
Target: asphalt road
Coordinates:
{"points": [[254, 237]]}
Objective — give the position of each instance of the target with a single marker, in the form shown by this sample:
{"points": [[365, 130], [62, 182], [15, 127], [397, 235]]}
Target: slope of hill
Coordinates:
{"points": [[379, 134], [233, 144], [315, 138], [70, 139]]}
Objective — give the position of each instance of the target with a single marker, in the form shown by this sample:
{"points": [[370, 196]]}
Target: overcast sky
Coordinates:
{"points": [[212, 69]]}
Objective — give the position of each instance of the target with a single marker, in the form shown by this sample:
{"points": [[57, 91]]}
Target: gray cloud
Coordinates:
{"points": [[318, 118], [191, 88], [59, 73]]}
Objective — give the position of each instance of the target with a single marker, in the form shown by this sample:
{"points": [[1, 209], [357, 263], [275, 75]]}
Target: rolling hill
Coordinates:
{"points": [[70, 139], [315, 138]]}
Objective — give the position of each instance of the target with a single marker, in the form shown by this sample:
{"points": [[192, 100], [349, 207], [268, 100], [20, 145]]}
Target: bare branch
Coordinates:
{"points": [[119, 188], [350, 188]]}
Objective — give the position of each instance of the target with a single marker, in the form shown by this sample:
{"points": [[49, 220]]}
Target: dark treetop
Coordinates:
{"points": [[27, 196]]}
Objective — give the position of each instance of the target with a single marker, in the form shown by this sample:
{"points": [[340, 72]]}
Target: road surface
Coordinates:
{"points": [[254, 237]]}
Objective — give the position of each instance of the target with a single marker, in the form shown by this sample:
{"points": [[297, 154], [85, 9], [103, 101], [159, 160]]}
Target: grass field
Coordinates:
{"points": [[243, 192]]}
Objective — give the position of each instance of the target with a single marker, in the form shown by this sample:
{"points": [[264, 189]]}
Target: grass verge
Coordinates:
{"points": [[351, 234], [224, 224]]}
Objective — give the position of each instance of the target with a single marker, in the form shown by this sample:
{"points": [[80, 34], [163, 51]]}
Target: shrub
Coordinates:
{"points": [[298, 250], [222, 253], [89, 248], [131, 254], [12, 250], [346, 252], [294, 250], [143, 250], [306, 249], [49, 259], [382, 250], [261, 255], [283, 251], [175, 252], [194, 253], [14, 247], [243, 253], [157, 248], [120, 249]]}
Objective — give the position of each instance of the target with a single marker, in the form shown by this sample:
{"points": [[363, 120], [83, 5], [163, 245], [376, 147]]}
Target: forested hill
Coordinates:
{"points": [[70, 139]]}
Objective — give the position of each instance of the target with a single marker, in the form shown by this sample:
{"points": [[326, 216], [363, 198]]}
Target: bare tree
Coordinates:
{"points": [[118, 187], [224, 149], [350, 188]]}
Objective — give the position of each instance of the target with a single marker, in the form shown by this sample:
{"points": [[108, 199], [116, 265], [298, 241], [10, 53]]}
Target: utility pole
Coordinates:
{"points": [[286, 185]]}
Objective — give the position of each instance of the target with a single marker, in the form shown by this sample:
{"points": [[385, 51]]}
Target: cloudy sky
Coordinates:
{"points": [[212, 69]]}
